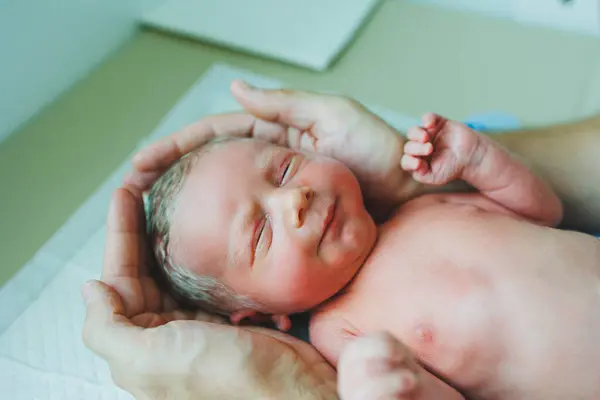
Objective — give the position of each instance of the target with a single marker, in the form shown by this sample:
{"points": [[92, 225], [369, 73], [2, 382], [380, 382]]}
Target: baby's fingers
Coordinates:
{"points": [[431, 120], [418, 149], [425, 176], [410, 163], [418, 167], [417, 134]]}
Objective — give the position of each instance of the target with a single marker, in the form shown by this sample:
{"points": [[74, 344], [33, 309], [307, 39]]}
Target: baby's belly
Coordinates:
{"points": [[552, 314], [496, 306]]}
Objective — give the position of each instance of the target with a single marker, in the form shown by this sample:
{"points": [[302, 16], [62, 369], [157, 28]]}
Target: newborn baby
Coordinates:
{"points": [[491, 300]]}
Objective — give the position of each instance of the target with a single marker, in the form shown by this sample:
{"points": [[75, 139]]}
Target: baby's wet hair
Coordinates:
{"points": [[187, 287]]}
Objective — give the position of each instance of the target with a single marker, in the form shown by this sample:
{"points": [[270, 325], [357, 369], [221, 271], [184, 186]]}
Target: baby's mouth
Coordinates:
{"points": [[329, 219]]}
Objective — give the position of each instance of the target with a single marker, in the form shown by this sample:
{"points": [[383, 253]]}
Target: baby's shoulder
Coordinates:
{"points": [[329, 329], [419, 210], [459, 203]]}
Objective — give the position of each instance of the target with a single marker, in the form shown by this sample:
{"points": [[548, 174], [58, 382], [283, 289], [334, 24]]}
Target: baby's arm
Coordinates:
{"points": [[444, 150], [374, 366]]}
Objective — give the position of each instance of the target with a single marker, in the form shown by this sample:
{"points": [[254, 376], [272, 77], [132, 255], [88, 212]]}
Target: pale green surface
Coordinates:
{"points": [[591, 100], [408, 58]]}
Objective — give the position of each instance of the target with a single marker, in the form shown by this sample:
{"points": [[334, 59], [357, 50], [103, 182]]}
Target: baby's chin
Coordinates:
{"points": [[304, 299], [349, 252], [300, 307]]}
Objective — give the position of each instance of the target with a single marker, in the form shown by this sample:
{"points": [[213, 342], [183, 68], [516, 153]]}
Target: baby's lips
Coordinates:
{"points": [[327, 222]]}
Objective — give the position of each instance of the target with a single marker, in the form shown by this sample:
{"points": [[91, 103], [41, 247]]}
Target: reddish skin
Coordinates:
{"points": [[480, 287], [483, 291], [308, 231]]}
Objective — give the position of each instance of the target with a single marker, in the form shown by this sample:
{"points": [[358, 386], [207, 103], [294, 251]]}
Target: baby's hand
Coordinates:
{"points": [[377, 367], [439, 152]]}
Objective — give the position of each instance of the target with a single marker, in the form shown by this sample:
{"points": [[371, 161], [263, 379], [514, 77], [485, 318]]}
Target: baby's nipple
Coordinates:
{"points": [[424, 334]]}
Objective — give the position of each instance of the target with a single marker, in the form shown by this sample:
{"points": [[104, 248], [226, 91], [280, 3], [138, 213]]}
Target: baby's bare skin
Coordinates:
{"points": [[499, 307], [496, 305]]}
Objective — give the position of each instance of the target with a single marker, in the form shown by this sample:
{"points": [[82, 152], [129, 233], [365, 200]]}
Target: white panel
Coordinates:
{"points": [[576, 15], [146, 5], [494, 8], [310, 33]]}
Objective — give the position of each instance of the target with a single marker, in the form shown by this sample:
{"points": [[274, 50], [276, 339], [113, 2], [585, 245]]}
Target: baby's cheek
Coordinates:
{"points": [[292, 274], [297, 280]]}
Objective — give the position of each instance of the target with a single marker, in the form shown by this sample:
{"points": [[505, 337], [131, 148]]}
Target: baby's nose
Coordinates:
{"points": [[301, 200]]}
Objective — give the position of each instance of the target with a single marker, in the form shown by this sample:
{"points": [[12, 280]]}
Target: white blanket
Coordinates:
{"points": [[41, 312]]}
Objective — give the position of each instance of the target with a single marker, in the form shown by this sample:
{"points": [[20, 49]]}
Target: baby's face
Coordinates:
{"points": [[287, 229]]}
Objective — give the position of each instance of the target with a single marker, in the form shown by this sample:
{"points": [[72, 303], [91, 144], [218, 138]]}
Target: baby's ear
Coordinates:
{"points": [[254, 317], [282, 321]]}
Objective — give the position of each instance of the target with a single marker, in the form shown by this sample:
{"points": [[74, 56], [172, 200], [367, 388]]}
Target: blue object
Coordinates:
{"points": [[492, 122]]}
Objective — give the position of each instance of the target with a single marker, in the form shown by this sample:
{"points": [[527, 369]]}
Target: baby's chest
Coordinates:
{"points": [[473, 298], [449, 255], [440, 271], [446, 319], [441, 305]]}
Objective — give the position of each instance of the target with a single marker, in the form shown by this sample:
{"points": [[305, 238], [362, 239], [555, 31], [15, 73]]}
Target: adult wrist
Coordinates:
{"points": [[300, 391], [317, 383]]}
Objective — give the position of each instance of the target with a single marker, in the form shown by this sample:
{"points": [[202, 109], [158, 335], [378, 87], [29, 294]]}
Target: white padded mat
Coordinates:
{"points": [[41, 312]]}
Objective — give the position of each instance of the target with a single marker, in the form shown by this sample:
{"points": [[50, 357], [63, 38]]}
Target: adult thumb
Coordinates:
{"points": [[106, 330], [102, 297], [298, 109]]}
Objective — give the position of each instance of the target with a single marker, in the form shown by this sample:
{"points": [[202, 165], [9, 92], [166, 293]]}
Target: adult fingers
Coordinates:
{"points": [[142, 180], [151, 320], [160, 155], [124, 253], [106, 330], [301, 110]]}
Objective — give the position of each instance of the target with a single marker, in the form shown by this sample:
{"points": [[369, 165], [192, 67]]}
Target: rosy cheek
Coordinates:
{"points": [[292, 275]]}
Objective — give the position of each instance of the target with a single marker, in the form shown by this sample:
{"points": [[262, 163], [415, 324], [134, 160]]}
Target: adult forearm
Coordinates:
{"points": [[566, 155], [299, 391], [315, 382], [305, 387], [506, 180]]}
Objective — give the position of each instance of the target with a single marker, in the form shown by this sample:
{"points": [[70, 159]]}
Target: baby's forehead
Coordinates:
{"points": [[249, 152], [225, 168], [210, 198]]}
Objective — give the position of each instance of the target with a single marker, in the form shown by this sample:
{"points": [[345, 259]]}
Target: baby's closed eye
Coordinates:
{"points": [[287, 168], [263, 235]]}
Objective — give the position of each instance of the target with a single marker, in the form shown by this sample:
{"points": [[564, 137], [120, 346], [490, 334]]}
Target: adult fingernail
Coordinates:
{"points": [[86, 292], [244, 85]]}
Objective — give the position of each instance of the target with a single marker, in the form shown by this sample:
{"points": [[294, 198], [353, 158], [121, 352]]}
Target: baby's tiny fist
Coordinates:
{"points": [[418, 149], [410, 163], [377, 366], [418, 134]]}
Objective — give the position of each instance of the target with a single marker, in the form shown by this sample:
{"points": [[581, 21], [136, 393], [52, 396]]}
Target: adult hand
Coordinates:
{"points": [[330, 125], [156, 351]]}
